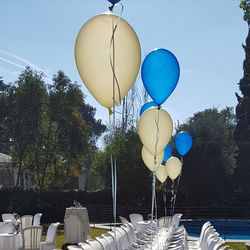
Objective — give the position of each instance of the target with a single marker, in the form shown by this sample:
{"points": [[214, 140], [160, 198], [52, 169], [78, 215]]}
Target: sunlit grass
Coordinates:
{"points": [[236, 245], [60, 240]]}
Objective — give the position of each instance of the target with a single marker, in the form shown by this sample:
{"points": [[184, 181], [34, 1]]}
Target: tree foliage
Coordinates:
{"points": [[242, 131], [49, 130], [209, 166], [132, 174]]}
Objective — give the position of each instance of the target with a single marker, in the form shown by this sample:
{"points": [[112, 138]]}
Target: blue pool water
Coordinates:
{"points": [[228, 229]]}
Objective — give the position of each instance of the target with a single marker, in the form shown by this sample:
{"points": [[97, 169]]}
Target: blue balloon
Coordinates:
{"points": [[160, 74], [114, 1], [183, 142], [146, 106], [167, 153]]}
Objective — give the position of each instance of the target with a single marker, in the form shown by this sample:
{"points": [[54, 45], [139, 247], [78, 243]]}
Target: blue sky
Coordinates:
{"points": [[205, 36]]}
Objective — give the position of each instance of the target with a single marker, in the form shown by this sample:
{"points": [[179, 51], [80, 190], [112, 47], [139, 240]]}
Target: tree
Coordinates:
{"points": [[209, 166], [49, 130], [132, 174], [242, 131]]}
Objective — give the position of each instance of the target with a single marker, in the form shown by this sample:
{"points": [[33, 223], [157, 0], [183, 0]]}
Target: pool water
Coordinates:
{"points": [[228, 229]]}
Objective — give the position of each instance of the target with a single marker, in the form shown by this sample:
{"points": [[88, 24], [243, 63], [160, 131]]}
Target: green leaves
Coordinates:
{"points": [[45, 128]]}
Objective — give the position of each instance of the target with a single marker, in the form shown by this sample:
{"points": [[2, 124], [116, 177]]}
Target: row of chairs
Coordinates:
{"points": [[31, 237], [209, 239], [125, 237], [25, 220]]}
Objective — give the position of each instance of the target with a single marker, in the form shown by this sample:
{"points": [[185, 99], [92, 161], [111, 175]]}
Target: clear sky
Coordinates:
{"points": [[205, 36]]}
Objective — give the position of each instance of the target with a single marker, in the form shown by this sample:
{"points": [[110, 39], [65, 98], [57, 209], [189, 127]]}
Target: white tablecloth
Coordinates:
{"points": [[76, 225], [10, 241]]}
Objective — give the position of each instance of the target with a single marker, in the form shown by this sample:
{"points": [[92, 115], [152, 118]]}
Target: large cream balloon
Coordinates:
{"points": [[149, 160], [173, 167], [161, 173], [94, 50], [155, 129]]}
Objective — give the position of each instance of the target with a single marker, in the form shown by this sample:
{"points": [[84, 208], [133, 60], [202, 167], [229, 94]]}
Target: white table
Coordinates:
{"points": [[76, 224], [10, 241]]}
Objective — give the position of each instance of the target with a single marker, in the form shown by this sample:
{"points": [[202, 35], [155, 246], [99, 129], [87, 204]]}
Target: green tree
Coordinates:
{"points": [[242, 131], [49, 130], [132, 174], [209, 166]]}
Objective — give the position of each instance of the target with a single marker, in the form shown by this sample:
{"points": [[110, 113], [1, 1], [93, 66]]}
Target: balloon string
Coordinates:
{"points": [[176, 188], [157, 133], [112, 59], [153, 199]]}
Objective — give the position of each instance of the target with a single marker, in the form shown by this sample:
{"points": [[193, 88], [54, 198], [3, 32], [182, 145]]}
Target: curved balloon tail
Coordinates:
{"points": [[112, 57], [157, 131]]}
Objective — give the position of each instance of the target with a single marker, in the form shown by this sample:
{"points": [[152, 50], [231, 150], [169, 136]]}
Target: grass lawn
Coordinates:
{"points": [[237, 246], [60, 240]]}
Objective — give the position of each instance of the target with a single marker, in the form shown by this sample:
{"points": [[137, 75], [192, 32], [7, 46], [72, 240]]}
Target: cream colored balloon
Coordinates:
{"points": [[155, 129], [161, 173], [94, 50], [173, 167], [149, 160]]}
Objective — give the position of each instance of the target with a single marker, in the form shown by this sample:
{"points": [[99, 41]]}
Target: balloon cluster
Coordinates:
{"points": [[160, 74], [108, 64]]}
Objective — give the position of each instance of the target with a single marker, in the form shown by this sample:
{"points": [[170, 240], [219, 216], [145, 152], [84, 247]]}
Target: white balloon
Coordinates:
{"points": [[161, 173], [155, 129], [150, 161], [94, 50], [173, 167]]}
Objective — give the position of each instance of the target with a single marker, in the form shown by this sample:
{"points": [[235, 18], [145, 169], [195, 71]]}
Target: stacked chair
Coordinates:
{"points": [[209, 239], [125, 237]]}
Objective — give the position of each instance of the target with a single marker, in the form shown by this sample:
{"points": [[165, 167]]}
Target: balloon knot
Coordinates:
{"points": [[110, 111], [159, 107], [111, 8]]}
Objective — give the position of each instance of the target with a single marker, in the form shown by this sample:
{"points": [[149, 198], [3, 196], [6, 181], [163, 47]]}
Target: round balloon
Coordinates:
{"points": [[114, 1], [155, 129], [160, 74], [183, 142], [173, 167], [149, 160], [94, 52], [161, 173], [167, 153], [146, 106]]}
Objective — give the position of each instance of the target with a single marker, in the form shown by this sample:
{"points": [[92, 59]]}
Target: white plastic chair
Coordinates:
{"points": [[175, 220], [26, 221], [117, 237], [37, 219], [104, 243], [73, 247], [8, 217], [6, 227], [32, 237], [123, 220], [95, 244], [84, 246], [110, 240], [134, 218], [124, 238], [50, 243], [164, 221]]}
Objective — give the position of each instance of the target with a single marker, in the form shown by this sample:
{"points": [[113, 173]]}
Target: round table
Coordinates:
{"points": [[10, 241]]}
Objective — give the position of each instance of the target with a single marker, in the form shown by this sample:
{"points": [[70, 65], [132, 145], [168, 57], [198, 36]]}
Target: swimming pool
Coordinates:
{"points": [[228, 229]]}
